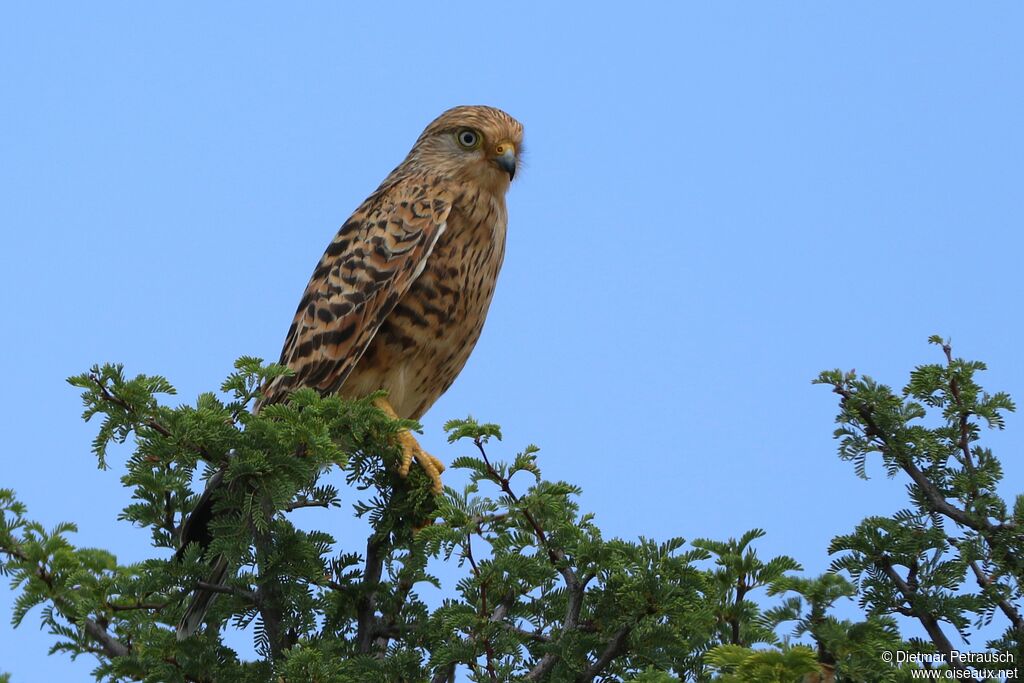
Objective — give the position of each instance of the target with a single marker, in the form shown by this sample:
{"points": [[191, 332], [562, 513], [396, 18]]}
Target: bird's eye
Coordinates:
{"points": [[468, 138]]}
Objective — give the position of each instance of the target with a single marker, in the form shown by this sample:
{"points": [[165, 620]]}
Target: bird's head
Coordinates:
{"points": [[472, 144]]}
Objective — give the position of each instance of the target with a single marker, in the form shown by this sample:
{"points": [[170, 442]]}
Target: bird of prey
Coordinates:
{"points": [[398, 300]]}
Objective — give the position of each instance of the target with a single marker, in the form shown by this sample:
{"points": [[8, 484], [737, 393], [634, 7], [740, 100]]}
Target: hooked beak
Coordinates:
{"points": [[506, 159]]}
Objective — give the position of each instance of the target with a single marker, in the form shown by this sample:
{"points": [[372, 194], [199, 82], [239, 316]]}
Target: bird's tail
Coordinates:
{"points": [[202, 599], [274, 391]]}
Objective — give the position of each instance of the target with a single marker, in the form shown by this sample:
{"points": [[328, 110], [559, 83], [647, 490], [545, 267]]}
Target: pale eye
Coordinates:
{"points": [[468, 138]]}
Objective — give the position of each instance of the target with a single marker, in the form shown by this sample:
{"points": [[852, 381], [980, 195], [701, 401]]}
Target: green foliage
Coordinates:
{"points": [[850, 649], [652, 676], [545, 592], [738, 664], [542, 595], [921, 562], [738, 572]]}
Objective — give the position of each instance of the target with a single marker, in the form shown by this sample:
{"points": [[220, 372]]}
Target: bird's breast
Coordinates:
{"points": [[421, 347]]}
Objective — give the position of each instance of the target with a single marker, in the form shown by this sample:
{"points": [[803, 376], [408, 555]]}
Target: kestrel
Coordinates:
{"points": [[398, 300]]}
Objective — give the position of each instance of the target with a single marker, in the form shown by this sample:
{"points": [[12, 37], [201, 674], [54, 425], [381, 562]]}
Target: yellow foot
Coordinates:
{"points": [[411, 449]]}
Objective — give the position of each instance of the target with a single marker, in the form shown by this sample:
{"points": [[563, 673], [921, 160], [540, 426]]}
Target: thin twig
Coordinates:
{"points": [[936, 500], [986, 583], [575, 588], [556, 555], [155, 606], [488, 648], [112, 647], [248, 596], [306, 503], [147, 422], [964, 441], [128, 408]]}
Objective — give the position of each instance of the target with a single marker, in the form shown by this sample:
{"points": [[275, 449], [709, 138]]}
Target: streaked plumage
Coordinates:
{"points": [[398, 300]]}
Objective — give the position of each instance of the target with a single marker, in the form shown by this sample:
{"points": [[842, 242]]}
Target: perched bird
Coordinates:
{"points": [[399, 298]]}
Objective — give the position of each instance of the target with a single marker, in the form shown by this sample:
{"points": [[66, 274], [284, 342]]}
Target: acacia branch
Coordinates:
{"points": [[488, 648], [555, 554], [936, 500], [149, 422], [615, 647], [248, 596], [366, 605], [548, 661], [530, 635], [1007, 608], [110, 397], [964, 442], [112, 647], [154, 606], [305, 503], [734, 620], [390, 629], [928, 620], [575, 588], [269, 599]]}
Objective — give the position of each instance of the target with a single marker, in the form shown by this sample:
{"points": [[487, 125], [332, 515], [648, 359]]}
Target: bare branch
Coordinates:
{"points": [[155, 606], [531, 635], [613, 649], [112, 647], [305, 503], [366, 605], [248, 596]]}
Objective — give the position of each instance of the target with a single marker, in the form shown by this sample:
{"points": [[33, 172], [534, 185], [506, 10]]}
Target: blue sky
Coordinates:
{"points": [[719, 201]]}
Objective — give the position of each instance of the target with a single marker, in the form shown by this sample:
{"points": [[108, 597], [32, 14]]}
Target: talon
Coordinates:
{"points": [[411, 449]]}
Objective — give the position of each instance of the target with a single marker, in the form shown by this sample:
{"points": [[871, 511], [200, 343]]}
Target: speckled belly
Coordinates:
{"points": [[424, 343]]}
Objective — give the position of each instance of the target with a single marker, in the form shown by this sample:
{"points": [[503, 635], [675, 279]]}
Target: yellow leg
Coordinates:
{"points": [[411, 449]]}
